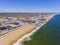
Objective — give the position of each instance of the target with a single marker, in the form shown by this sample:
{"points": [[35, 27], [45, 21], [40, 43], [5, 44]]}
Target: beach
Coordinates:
{"points": [[13, 36], [20, 34], [27, 36]]}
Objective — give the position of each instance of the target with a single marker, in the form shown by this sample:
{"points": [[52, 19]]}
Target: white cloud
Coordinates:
{"points": [[6, 9]]}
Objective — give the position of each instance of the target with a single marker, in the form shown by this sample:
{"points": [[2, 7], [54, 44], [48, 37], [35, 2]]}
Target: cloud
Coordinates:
{"points": [[6, 10]]}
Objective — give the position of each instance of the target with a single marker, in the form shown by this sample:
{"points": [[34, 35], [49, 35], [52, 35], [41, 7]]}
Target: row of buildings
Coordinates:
{"points": [[8, 23]]}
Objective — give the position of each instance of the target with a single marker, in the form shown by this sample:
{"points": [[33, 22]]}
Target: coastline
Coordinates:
{"points": [[27, 36], [11, 37]]}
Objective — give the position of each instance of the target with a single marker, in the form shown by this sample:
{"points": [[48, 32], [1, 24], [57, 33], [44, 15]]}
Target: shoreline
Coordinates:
{"points": [[27, 36], [12, 37]]}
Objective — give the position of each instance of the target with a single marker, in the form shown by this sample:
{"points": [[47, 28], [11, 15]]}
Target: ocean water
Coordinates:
{"points": [[48, 34]]}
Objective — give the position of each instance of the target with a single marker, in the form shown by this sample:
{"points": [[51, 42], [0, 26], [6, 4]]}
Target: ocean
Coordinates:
{"points": [[48, 34]]}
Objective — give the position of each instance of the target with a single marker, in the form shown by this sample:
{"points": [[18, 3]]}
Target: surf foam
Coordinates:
{"points": [[27, 36]]}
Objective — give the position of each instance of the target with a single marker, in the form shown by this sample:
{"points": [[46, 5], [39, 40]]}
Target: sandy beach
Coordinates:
{"points": [[27, 36], [12, 37], [20, 33]]}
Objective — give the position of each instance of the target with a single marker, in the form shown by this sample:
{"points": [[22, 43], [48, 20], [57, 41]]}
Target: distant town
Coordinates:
{"points": [[13, 26], [9, 21]]}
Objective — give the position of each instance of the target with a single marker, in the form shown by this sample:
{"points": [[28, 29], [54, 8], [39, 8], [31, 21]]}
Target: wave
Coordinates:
{"points": [[27, 36]]}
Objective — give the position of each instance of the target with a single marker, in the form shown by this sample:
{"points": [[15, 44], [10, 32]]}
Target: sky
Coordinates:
{"points": [[29, 5]]}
